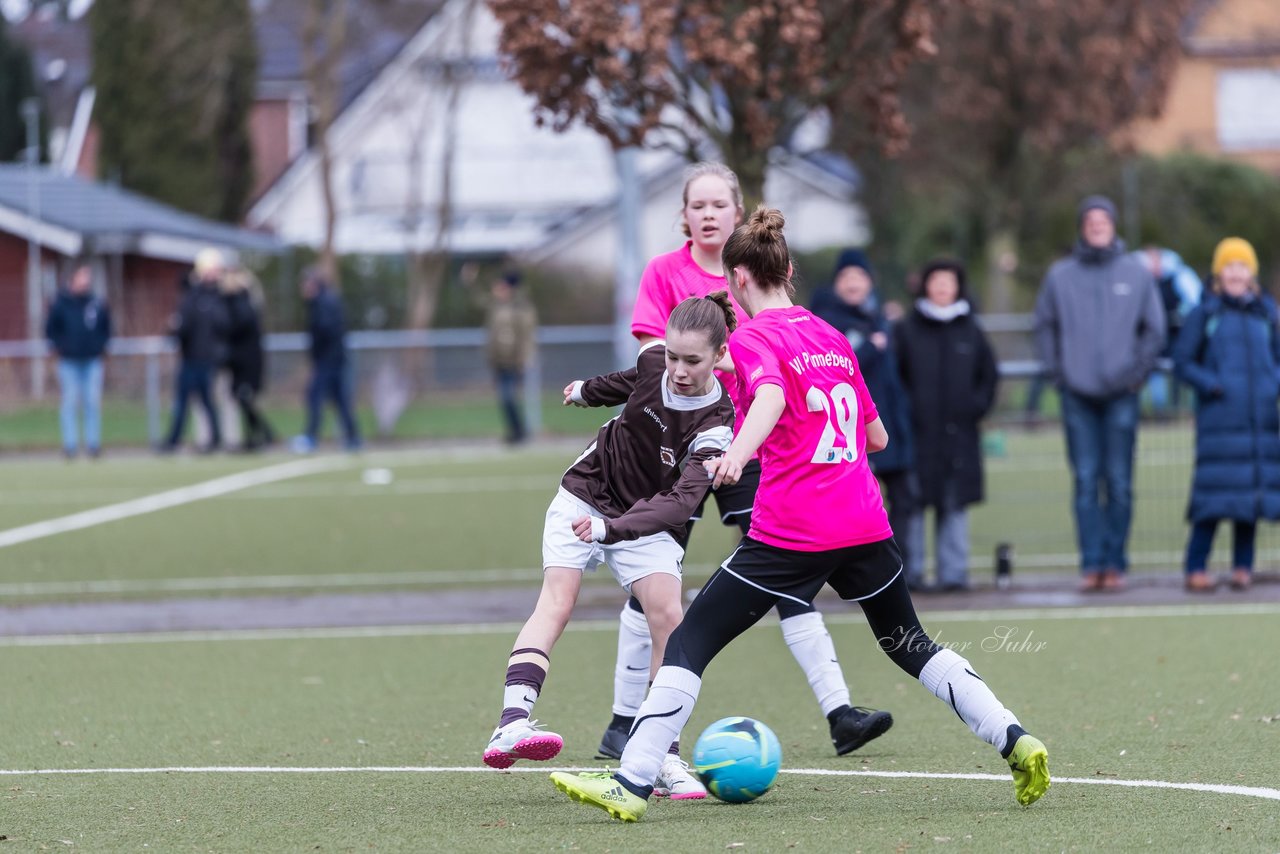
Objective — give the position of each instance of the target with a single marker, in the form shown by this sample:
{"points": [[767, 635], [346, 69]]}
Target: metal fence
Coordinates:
{"points": [[1028, 485]]}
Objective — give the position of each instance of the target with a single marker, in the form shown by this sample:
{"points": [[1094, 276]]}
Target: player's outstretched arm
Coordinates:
{"points": [[766, 408]]}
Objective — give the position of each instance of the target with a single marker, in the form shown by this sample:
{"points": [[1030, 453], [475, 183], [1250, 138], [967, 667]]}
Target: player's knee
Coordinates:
{"points": [[664, 619]]}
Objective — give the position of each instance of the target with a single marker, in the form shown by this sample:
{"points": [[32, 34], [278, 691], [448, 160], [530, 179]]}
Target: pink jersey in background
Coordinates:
{"points": [[668, 280], [816, 490]]}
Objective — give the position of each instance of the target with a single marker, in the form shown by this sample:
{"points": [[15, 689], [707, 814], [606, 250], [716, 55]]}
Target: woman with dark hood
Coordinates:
{"points": [[949, 372], [852, 306]]}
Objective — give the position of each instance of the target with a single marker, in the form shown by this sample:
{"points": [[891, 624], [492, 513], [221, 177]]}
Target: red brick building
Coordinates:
{"points": [[139, 248]]}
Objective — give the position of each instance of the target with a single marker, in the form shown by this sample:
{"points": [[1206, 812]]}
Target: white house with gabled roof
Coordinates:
{"points": [[514, 188]]}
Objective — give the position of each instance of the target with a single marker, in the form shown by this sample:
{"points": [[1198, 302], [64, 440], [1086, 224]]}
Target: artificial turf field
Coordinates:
{"points": [[1183, 695]]}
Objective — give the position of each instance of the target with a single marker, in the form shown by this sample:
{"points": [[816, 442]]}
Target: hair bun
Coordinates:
{"points": [[765, 224]]}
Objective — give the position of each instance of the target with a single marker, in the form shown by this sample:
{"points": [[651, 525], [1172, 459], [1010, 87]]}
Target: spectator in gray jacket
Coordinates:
{"points": [[1099, 329]]}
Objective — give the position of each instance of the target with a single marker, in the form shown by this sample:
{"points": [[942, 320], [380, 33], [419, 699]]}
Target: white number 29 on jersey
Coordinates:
{"points": [[841, 409]]}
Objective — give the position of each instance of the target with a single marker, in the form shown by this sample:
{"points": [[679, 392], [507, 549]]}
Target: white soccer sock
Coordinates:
{"points": [[952, 679], [631, 671], [810, 642], [519, 697], [658, 723]]}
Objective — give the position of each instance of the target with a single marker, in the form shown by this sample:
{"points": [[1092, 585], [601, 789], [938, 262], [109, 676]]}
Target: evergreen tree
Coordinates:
{"points": [[17, 83], [175, 81]]}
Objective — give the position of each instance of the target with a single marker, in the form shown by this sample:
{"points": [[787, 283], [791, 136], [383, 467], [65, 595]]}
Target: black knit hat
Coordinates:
{"points": [[952, 264]]}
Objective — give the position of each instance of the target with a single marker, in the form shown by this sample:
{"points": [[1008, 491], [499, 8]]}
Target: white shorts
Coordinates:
{"points": [[629, 560]]}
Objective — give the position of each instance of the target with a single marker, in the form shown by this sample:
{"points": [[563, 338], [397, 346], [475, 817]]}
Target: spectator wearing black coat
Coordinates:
{"points": [[949, 371], [852, 306], [201, 326], [78, 328], [330, 378], [245, 356]]}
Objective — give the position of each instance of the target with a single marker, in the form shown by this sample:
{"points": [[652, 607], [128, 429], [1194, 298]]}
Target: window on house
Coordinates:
{"points": [[1248, 119]]}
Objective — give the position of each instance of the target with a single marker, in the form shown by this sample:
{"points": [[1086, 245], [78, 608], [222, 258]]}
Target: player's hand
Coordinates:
{"points": [[589, 529], [568, 395], [725, 363], [723, 470]]}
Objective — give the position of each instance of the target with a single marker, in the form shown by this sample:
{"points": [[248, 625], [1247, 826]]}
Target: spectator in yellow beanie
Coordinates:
{"points": [[1235, 249], [1229, 352]]}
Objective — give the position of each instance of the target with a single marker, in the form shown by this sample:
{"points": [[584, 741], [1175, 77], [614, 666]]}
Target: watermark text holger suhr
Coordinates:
{"points": [[1002, 639]]}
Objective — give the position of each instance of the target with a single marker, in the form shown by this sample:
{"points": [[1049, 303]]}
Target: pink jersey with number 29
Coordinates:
{"points": [[816, 490]]}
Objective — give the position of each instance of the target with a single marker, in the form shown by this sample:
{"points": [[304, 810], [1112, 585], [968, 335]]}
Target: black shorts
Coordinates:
{"points": [[734, 500], [854, 572]]}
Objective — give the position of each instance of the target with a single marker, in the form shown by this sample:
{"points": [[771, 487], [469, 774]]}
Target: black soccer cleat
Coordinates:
{"points": [[612, 742], [857, 726]]}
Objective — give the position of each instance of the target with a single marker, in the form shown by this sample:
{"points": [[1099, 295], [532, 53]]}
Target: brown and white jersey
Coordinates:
{"points": [[644, 471]]}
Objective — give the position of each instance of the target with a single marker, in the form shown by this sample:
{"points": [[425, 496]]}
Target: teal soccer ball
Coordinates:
{"points": [[737, 759]]}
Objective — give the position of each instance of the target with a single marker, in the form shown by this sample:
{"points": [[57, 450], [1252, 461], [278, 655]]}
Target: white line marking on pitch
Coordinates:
{"points": [[169, 498], [466, 629], [1214, 788]]}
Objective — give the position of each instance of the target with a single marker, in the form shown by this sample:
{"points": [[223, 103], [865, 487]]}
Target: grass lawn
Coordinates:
{"points": [[1187, 698], [1168, 706], [447, 416]]}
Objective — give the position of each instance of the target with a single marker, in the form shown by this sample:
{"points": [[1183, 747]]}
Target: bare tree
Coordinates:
{"points": [[739, 76], [1015, 85], [324, 37]]}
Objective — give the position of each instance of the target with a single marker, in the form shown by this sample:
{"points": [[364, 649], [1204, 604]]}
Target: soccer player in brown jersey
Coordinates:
{"points": [[624, 503], [712, 209]]}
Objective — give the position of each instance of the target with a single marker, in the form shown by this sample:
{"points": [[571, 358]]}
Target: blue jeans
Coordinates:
{"points": [[951, 546], [81, 383], [1101, 435], [197, 379], [510, 382], [331, 383], [1243, 536]]}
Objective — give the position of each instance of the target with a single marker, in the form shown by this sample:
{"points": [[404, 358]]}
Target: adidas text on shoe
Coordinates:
{"points": [[675, 782], [601, 790], [522, 739], [857, 726], [1029, 761]]}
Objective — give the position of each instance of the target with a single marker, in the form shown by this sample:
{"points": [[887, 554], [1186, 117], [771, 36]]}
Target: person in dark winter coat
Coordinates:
{"points": [[852, 306], [1229, 352], [1099, 329], [245, 356], [949, 372], [200, 325], [78, 328], [330, 378]]}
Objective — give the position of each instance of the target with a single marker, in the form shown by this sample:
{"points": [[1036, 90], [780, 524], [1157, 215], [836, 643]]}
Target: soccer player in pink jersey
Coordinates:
{"points": [[712, 209], [818, 519], [625, 503]]}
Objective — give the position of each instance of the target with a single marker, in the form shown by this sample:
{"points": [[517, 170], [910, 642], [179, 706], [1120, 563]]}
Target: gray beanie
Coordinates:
{"points": [[1098, 202]]}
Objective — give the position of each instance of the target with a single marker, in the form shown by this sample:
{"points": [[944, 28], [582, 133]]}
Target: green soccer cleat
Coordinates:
{"points": [[1029, 761], [599, 789]]}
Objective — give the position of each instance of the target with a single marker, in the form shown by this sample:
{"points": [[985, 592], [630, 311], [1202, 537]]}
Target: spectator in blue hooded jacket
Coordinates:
{"points": [[78, 328], [852, 306], [1229, 352], [330, 377], [1099, 329]]}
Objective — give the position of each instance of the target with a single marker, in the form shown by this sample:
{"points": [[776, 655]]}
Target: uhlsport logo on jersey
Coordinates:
{"points": [[668, 455]]}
